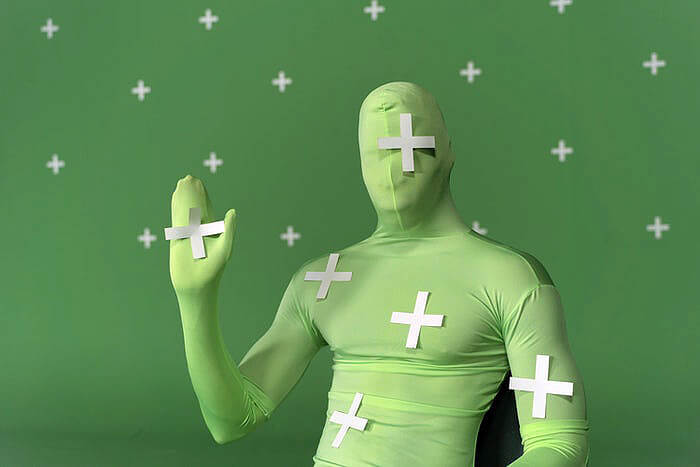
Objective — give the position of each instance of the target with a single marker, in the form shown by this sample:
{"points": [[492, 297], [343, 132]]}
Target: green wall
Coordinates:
{"points": [[91, 344]]}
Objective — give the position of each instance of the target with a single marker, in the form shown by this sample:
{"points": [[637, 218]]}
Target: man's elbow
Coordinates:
{"points": [[225, 438]]}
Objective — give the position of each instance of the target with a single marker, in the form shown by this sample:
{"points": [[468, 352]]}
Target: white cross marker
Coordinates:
{"points": [[374, 10], [348, 420], [561, 150], [653, 64], [140, 90], [146, 238], [416, 319], [657, 227], [213, 162], [470, 71], [406, 142], [49, 28], [330, 274], [540, 386], [195, 231], [561, 4], [290, 235], [282, 81], [55, 164], [208, 19], [478, 229]]}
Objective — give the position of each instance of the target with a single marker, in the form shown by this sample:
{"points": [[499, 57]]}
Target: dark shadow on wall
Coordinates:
{"points": [[499, 443]]}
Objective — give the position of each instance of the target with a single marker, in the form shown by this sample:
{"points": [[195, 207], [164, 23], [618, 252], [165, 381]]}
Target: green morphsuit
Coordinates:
{"points": [[422, 390]]}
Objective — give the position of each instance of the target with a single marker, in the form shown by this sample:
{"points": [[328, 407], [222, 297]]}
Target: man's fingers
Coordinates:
{"points": [[190, 193]]}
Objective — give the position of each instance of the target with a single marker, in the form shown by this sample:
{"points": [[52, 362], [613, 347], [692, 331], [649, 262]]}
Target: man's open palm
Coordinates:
{"points": [[198, 275]]}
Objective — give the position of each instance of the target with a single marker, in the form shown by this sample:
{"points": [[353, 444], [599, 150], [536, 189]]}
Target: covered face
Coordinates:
{"points": [[403, 198]]}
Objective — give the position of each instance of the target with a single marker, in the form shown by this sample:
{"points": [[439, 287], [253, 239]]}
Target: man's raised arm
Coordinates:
{"points": [[234, 400]]}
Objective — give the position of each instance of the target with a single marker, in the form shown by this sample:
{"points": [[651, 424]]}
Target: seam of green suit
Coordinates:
{"points": [[423, 404]]}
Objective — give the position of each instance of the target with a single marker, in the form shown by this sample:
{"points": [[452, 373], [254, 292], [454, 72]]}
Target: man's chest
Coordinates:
{"points": [[430, 309]]}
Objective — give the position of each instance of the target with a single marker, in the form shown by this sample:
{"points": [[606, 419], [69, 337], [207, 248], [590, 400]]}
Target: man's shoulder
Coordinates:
{"points": [[510, 263]]}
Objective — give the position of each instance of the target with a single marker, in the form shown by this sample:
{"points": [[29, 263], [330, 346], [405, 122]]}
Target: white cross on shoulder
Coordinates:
{"points": [[330, 274], [541, 386], [406, 142]]}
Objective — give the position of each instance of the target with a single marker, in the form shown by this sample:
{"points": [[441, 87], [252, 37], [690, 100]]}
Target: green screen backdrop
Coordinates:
{"points": [[91, 344]]}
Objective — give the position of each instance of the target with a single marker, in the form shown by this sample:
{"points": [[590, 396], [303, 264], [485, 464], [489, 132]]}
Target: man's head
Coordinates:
{"points": [[408, 195]]}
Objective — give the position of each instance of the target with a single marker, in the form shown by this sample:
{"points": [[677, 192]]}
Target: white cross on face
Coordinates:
{"points": [[348, 420], [406, 142], [416, 319], [195, 231], [327, 276], [540, 386]]}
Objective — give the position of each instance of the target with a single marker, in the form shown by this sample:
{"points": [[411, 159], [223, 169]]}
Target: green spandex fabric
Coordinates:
{"points": [[423, 405]]}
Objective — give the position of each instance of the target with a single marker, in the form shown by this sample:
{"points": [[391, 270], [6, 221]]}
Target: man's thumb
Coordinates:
{"points": [[226, 238]]}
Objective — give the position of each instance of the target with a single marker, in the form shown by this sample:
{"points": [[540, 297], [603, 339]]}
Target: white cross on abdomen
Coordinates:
{"points": [[540, 386], [406, 142], [195, 231], [327, 276], [348, 420], [416, 319]]}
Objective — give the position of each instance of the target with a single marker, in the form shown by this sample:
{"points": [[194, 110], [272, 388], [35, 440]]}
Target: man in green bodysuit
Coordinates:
{"points": [[424, 317]]}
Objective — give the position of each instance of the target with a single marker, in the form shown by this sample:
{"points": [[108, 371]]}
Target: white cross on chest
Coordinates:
{"points": [[416, 319], [540, 386], [195, 231], [330, 274], [348, 420], [406, 142]]}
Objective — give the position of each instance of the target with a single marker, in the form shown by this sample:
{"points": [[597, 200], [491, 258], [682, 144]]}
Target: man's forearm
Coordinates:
{"points": [[216, 379]]}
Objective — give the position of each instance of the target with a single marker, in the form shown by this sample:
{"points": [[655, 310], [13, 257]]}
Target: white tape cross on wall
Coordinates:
{"points": [[541, 386], [195, 231]]}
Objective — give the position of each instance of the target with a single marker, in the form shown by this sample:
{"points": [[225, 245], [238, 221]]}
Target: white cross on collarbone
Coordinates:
{"points": [[195, 231], [348, 420], [330, 274], [406, 142], [416, 319], [540, 386]]}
